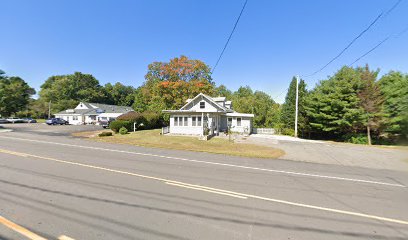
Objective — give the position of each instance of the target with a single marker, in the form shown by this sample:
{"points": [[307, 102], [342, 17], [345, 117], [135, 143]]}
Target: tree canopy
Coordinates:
{"points": [[169, 84], [289, 106], [15, 94], [333, 107]]}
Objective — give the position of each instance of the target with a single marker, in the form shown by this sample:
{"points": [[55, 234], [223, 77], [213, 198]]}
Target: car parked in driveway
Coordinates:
{"points": [[29, 120], [14, 120], [56, 121]]}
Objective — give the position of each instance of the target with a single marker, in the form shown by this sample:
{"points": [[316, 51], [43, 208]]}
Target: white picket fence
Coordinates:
{"points": [[268, 131]]}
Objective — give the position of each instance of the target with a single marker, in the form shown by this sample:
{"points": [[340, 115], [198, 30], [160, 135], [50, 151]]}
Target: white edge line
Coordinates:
{"points": [[206, 190], [219, 164], [187, 185]]}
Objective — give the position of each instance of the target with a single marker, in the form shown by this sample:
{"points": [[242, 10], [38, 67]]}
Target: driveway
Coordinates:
{"points": [[392, 158], [49, 130]]}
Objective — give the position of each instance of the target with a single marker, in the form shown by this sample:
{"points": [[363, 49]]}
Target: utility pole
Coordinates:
{"points": [[297, 103], [49, 110]]}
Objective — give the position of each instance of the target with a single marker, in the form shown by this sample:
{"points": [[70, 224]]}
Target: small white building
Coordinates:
{"points": [[204, 113], [92, 113]]}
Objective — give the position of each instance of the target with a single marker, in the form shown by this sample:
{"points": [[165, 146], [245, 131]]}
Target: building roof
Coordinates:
{"points": [[214, 100], [95, 109], [210, 99]]}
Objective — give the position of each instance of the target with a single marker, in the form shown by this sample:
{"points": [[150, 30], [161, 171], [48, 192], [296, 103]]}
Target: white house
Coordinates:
{"points": [[91, 113], [204, 113]]}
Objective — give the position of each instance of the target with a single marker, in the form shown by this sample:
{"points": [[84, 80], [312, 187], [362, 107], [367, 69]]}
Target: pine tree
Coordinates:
{"points": [[333, 107], [371, 100], [289, 107]]}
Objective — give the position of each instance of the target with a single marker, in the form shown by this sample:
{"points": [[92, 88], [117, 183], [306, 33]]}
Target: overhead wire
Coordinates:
{"points": [[381, 15], [229, 38]]}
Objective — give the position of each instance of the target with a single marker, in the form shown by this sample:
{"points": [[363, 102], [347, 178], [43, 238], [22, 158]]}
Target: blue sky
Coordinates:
{"points": [[116, 40]]}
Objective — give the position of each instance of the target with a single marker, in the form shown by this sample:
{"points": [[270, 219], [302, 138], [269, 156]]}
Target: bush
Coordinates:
{"points": [[144, 120], [118, 124], [105, 134], [288, 131], [356, 138], [123, 131]]}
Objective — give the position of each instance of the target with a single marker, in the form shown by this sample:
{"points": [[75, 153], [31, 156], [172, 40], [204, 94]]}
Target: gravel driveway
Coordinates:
{"points": [[392, 158]]}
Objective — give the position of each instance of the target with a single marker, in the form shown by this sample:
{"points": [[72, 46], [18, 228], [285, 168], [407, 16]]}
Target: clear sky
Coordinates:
{"points": [[116, 40]]}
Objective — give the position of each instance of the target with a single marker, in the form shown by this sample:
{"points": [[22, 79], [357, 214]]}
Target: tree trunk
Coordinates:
{"points": [[368, 134]]}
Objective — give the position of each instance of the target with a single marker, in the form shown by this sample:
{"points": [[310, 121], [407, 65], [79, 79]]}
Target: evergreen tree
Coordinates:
{"points": [[394, 87], [289, 106], [333, 107], [371, 100]]}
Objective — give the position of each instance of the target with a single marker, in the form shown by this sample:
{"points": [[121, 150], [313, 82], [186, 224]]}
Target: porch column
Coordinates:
{"points": [[202, 123]]}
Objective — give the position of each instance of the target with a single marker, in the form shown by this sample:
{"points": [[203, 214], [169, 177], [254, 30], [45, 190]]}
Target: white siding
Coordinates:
{"points": [[186, 130]]}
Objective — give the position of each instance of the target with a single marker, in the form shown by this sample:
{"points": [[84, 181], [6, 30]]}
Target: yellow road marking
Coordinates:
{"points": [[63, 237], [206, 190], [168, 181], [17, 228]]}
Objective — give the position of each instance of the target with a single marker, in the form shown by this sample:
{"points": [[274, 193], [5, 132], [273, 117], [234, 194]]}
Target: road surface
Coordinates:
{"points": [[53, 186]]}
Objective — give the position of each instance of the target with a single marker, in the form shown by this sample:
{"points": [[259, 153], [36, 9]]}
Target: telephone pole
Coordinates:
{"points": [[49, 110], [297, 103]]}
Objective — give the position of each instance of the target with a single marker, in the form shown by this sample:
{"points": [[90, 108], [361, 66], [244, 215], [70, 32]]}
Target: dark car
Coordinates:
{"points": [[29, 120], [56, 121], [104, 123]]}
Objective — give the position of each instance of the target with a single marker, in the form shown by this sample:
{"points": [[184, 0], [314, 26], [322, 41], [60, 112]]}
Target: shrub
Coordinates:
{"points": [[144, 120], [116, 125], [123, 131], [153, 119], [288, 131], [105, 134], [356, 138]]}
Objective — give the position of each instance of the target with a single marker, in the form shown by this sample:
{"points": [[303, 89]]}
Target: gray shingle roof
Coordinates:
{"points": [[97, 108]]}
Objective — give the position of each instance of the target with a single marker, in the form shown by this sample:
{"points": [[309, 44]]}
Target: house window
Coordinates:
{"points": [[180, 121], [75, 118], [194, 121], [198, 121], [185, 121], [202, 104], [175, 121], [239, 122], [229, 122]]}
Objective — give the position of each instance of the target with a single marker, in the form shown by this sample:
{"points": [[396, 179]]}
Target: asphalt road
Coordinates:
{"points": [[59, 187]]}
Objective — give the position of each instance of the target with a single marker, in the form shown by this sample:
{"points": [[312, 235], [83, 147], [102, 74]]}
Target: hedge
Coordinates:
{"points": [[144, 120], [105, 134], [116, 125]]}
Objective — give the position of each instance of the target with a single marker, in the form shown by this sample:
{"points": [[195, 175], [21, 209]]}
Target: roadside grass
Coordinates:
{"points": [[41, 120], [152, 138]]}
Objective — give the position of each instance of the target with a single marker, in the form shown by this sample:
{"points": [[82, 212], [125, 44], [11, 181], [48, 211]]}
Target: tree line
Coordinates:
{"points": [[352, 105]]}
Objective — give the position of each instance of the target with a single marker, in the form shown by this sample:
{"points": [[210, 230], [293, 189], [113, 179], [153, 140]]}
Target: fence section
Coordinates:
{"points": [[268, 131]]}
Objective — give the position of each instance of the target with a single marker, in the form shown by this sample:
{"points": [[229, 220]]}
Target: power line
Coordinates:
{"points": [[229, 38], [379, 44], [393, 7], [348, 46], [372, 49], [358, 36]]}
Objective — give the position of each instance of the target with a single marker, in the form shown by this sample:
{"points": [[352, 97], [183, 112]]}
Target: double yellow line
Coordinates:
{"points": [[25, 232]]}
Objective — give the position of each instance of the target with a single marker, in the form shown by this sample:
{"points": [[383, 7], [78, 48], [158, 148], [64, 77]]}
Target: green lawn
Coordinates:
{"points": [[152, 138]]}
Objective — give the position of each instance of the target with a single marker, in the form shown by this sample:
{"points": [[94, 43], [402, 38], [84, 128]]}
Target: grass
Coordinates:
{"points": [[152, 138], [41, 120]]}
